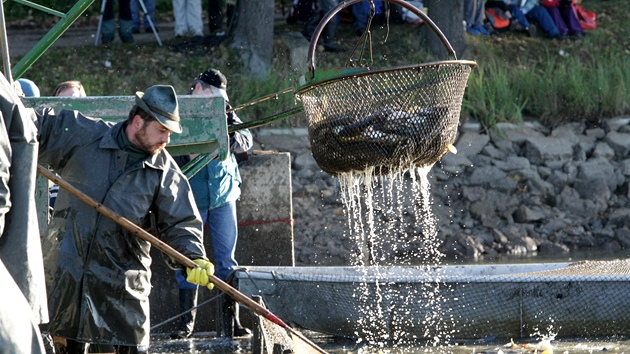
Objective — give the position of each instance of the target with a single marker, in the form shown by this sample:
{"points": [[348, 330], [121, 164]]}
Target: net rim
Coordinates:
{"points": [[327, 76]]}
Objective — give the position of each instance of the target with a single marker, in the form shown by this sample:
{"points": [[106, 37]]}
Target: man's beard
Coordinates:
{"points": [[143, 143]]}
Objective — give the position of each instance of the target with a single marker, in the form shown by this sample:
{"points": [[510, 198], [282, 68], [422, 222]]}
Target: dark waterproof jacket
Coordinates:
{"points": [[98, 273], [20, 244], [20, 333]]}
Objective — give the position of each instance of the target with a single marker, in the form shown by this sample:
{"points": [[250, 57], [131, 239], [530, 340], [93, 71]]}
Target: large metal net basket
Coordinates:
{"points": [[388, 119]]}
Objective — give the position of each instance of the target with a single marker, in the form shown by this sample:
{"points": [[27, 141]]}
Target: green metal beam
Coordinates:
{"points": [[40, 8], [47, 41], [203, 119]]}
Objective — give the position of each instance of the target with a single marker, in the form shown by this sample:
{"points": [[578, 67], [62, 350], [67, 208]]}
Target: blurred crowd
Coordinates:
{"points": [[135, 16]]}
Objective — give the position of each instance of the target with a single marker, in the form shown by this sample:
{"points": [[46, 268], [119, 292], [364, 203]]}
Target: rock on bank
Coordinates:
{"points": [[522, 190]]}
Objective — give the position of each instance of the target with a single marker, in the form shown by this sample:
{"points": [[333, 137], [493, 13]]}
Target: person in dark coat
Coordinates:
{"points": [[23, 296], [98, 274]]}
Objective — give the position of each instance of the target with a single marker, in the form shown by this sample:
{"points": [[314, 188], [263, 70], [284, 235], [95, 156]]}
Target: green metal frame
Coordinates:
{"points": [[66, 20], [203, 119]]}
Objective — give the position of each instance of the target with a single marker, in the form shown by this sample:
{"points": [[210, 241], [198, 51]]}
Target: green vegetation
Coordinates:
{"points": [[554, 81], [517, 77]]}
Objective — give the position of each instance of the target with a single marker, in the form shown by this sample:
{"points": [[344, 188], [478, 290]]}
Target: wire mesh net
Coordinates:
{"points": [[409, 304], [275, 339], [388, 119]]}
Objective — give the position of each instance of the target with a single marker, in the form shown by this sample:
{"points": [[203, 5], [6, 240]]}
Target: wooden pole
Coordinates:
{"points": [[162, 246]]}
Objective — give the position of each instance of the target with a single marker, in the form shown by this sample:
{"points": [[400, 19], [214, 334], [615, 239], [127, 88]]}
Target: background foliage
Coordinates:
{"points": [[517, 77]]}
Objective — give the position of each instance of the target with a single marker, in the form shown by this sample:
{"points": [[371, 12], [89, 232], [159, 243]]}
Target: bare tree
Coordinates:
{"points": [[253, 35], [448, 15]]}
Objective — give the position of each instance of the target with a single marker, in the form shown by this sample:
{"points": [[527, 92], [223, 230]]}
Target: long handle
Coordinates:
{"points": [[162, 246], [267, 120], [196, 164]]}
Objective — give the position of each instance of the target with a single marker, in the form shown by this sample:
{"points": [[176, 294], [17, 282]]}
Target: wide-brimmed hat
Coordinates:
{"points": [[160, 101]]}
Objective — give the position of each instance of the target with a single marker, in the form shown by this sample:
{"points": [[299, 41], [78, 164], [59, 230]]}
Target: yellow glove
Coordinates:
{"points": [[200, 274]]}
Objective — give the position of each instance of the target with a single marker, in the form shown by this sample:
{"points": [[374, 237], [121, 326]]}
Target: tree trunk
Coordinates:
{"points": [[448, 15], [253, 35]]}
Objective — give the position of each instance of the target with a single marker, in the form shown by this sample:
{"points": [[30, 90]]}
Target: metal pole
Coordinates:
{"points": [[100, 23], [6, 62], [148, 17]]}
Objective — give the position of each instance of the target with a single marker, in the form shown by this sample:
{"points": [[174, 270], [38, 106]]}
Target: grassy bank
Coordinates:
{"points": [[555, 81], [517, 76]]}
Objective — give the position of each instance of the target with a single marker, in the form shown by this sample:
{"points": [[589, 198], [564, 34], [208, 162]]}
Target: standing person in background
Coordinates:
{"points": [[220, 17], [361, 13], [216, 187], [73, 88], [135, 15], [473, 16], [187, 15], [108, 28], [330, 31]]}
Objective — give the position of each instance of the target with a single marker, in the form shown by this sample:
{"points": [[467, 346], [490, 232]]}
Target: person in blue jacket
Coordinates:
{"points": [[216, 187]]}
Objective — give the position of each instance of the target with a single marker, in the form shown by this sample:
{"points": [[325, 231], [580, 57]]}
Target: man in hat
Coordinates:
{"points": [[98, 273], [216, 188]]}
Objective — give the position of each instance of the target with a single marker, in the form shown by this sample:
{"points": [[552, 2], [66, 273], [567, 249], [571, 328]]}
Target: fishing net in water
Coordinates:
{"points": [[390, 118], [586, 299], [269, 338], [273, 339]]}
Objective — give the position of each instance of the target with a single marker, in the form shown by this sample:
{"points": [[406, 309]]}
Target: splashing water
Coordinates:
{"points": [[392, 224]]}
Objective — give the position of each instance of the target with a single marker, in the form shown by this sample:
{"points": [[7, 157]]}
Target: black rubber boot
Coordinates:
{"points": [[187, 300], [239, 331], [310, 26], [231, 320]]}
